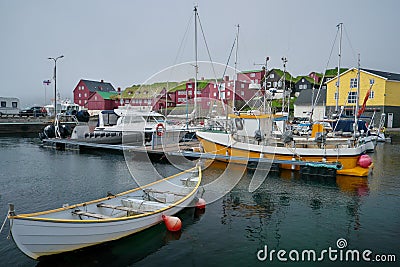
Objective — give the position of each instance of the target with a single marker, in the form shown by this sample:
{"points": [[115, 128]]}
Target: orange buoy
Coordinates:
{"points": [[364, 161], [201, 204], [172, 223]]}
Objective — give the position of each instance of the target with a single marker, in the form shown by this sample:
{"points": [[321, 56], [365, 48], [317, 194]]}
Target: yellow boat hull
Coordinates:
{"points": [[349, 162]]}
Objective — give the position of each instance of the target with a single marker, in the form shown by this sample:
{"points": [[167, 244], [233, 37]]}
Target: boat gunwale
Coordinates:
{"points": [[31, 216], [334, 150]]}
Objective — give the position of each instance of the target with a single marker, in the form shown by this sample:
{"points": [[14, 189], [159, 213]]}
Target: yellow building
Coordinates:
{"points": [[383, 98]]}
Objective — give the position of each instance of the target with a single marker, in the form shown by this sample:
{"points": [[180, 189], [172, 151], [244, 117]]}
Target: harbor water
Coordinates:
{"points": [[286, 212]]}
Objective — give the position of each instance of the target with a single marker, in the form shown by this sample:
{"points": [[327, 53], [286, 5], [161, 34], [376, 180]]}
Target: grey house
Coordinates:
{"points": [[303, 104]]}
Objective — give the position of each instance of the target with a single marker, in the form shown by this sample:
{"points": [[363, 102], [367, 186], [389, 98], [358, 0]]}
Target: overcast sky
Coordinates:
{"points": [[126, 42]]}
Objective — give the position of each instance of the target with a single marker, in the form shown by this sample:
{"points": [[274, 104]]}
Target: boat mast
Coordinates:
{"points": [[357, 100], [340, 27], [196, 65], [265, 86], [236, 59], [284, 60]]}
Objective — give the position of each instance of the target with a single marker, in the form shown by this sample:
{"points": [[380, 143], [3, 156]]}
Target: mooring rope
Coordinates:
{"points": [[4, 223]]}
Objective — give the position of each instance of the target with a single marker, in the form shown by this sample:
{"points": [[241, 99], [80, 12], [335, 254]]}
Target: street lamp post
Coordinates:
{"points": [[55, 83]]}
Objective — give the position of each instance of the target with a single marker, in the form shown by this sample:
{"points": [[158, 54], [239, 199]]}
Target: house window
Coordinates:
{"points": [[215, 94], [3, 104], [275, 84], [352, 97], [252, 75], [229, 93], [268, 84], [271, 75], [371, 81], [14, 104], [189, 85], [126, 101], [242, 86], [302, 80], [95, 97], [256, 80], [353, 83], [79, 95], [242, 93], [80, 102], [85, 94], [371, 94]]}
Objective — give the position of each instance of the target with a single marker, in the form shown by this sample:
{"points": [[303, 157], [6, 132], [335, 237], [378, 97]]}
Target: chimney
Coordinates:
{"points": [[102, 81], [119, 89]]}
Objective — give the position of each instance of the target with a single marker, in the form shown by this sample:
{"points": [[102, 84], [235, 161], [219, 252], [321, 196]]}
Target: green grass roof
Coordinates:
{"points": [[200, 86], [250, 71], [309, 79], [147, 90], [288, 77], [107, 95], [333, 72]]}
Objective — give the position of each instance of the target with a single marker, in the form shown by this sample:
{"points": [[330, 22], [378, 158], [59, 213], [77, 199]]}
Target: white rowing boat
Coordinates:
{"points": [[86, 224]]}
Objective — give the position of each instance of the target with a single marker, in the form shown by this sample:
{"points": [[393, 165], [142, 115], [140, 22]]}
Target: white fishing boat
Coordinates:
{"points": [[86, 224], [127, 122]]}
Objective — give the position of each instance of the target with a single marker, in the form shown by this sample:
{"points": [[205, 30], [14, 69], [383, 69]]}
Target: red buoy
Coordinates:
{"points": [[172, 223], [364, 161], [201, 204]]}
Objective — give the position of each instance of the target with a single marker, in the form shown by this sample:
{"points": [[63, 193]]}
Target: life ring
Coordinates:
{"points": [[160, 129]]}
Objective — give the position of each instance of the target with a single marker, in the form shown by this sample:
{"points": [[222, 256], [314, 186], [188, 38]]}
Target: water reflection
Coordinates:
{"points": [[285, 196]]}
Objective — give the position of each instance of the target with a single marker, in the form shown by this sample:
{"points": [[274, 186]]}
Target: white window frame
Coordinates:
{"points": [[372, 94], [352, 97], [353, 83]]}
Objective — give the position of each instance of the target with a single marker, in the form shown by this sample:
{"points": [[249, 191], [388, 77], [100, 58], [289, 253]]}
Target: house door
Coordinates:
{"points": [[390, 120]]}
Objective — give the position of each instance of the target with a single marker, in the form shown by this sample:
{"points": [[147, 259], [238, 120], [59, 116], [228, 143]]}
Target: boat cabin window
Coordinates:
{"points": [[110, 119], [155, 119]]}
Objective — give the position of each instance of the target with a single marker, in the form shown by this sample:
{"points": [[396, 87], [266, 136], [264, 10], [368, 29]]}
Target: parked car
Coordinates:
{"points": [[36, 111]]}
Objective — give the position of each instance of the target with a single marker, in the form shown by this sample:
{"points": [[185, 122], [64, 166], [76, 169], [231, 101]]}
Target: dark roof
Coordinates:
{"points": [[95, 86], [304, 98], [388, 75]]}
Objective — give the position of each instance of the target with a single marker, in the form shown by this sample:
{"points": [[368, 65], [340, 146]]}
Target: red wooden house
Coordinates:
{"points": [[86, 88], [103, 101]]}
